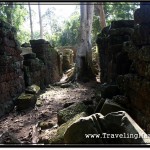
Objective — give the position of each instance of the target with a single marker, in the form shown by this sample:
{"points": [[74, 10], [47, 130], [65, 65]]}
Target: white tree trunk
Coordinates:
{"points": [[31, 27], [90, 11], [84, 54], [40, 21]]}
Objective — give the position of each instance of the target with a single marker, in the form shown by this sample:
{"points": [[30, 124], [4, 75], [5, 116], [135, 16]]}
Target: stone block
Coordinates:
{"points": [[110, 106], [141, 16], [67, 113], [25, 101], [33, 89], [122, 24]]}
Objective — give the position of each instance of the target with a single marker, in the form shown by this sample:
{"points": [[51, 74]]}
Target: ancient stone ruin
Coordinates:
{"points": [[124, 61], [120, 104], [23, 66], [11, 68]]}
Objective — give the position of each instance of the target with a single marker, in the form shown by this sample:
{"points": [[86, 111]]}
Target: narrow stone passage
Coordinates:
{"points": [[21, 124]]}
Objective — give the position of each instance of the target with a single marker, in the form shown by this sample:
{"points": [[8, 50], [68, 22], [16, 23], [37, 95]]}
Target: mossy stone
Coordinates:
{"points": [[67, 113], [33, 89], [25, 101], [59, 139]]}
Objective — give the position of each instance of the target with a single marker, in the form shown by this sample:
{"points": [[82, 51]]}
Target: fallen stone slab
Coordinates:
{"points": [[67, 113], [110, 106], [59, 138], [124, 128], [78, 132], [114, 128]]}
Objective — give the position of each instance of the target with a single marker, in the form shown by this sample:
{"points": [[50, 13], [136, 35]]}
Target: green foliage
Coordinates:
{"points": [[23, 35], [119, 10], [70, 32], [18, 14]]}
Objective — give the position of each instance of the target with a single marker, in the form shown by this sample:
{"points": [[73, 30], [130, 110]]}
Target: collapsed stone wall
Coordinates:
{"points": [[51, 59], [34, 70], [136, 84], [11, 65], [113, 61], [124, 61]]}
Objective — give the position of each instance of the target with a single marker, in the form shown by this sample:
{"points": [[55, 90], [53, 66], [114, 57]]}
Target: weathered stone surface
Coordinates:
{"points": [[114, 49], [141, 35], [110, 106], [138, 91], [121, 31], [26, 50], [113, 40], [113, 60], [76, 133], [122, 63], [26, 101], [49, 56], [34, 72], [141, 16], [122, 24], [142, 69], [99, 105], [114, 128], [67, 113], [11, 74], [108, 91], [144, 54], [130, 59], [29, 56], [59, 138], [121, 123], [33, 89]]}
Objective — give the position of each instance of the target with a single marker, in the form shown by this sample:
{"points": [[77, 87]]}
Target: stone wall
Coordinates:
{"points": [[113, 61], [136, 84], [51, 59], [11, 65], [34, 71], [124, 49]]}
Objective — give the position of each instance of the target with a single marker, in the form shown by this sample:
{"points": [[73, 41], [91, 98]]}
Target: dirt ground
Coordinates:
{"points": [[21, 124]]}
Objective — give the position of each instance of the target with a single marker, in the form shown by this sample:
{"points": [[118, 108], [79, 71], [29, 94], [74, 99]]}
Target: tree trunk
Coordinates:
{"points": [[102, 15], [31, 27], [40, 21], [84, 54]]}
